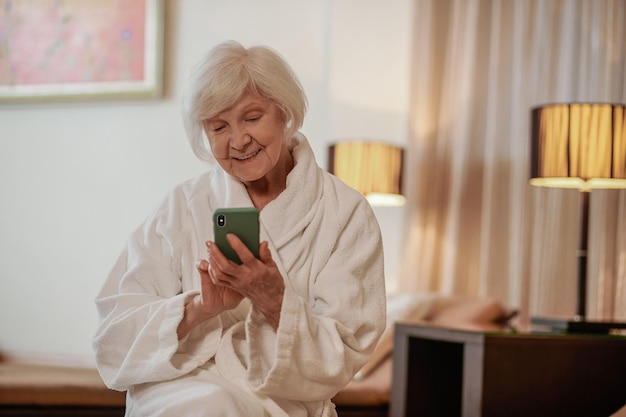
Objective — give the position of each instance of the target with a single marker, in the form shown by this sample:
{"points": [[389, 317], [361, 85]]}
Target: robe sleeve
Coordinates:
{"points": [[141, 305], [323, 341]]}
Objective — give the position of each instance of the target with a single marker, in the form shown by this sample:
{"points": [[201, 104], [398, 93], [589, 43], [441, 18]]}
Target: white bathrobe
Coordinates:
{"points": [[326, 242]]}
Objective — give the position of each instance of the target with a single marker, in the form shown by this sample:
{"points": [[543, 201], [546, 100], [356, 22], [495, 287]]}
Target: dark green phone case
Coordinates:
{"points": [[243, 222]]}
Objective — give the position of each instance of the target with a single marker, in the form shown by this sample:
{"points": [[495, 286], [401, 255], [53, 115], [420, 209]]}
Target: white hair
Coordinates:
{"points": [[224, 74]]}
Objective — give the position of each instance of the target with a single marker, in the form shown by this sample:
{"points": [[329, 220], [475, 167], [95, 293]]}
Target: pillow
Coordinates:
{"points": [[400, 307], [463, 312], [467, 312]]}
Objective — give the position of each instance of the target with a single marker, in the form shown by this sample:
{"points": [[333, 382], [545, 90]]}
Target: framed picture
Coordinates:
{"points": [[54, 50]]}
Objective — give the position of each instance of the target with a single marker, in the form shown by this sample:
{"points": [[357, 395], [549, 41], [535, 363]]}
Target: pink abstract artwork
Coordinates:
{"points": [[72, 42]]}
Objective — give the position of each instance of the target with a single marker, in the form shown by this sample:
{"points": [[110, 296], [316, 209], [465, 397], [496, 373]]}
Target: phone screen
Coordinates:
{"points": [[243, 222]]}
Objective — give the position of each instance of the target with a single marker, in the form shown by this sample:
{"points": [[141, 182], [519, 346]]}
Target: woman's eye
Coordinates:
{"points": [[217, 129], [253, 119]]}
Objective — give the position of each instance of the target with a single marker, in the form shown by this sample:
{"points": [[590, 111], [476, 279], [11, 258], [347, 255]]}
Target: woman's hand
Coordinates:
{"points": [[212, 300], [257, 279], [215, 298]]}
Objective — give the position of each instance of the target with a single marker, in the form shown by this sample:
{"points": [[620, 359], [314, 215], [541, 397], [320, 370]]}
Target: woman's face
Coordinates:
{"points": [[247, 138]]}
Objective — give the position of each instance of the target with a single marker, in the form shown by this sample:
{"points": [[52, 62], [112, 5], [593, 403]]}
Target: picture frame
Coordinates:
{"points": [[80, 50]]}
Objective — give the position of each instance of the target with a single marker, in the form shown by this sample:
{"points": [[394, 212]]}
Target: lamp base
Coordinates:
{"points": [[575, 325]]}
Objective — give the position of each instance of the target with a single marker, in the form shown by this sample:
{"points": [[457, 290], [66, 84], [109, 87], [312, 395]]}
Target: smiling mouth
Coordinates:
{"points": [[248, 156]]}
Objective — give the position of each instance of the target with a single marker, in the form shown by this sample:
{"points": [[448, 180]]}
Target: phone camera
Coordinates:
{"points": [[221, 220]]}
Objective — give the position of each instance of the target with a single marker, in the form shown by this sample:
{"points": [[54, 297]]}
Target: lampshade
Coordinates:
{"points": [[374, 169], [582, 146], [579, 146]]}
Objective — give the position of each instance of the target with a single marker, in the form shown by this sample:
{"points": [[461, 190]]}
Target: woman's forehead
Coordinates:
{"points": [[245, 102]]}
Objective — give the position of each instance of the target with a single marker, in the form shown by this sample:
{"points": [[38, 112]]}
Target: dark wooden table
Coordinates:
{"points": [[452, 372]]}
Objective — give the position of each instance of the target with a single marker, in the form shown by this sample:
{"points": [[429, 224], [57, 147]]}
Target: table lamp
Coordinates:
{"points": [[372, 168], [580, 146]]}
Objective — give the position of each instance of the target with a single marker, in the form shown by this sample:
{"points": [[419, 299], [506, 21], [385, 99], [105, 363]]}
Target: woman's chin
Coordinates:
{"points": [[246, 176]]}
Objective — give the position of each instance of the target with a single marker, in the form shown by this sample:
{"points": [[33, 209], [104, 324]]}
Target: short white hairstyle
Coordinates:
{"points": [[224, 74]]}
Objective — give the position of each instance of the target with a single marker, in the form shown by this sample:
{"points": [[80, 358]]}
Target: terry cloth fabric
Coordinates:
{"points": [[326, 242]]}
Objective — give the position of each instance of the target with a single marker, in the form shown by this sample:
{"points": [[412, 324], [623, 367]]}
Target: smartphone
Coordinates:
{"points": [[243, 222]]}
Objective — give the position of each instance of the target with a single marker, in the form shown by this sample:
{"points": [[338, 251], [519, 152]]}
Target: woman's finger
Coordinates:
{"points": [[240, 248]]}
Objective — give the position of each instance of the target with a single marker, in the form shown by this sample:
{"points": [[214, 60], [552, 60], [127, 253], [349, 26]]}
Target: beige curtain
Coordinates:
{"points": [[475, 225]]}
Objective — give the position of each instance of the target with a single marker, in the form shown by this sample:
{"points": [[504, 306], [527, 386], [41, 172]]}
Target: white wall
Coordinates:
{"points": [[76, 178]]}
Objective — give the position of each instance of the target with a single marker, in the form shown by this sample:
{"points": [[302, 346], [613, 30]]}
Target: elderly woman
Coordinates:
{"points": [[189, 333]]}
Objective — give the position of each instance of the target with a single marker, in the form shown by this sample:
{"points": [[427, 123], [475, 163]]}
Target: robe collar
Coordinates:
{"points": [[301, 197]]}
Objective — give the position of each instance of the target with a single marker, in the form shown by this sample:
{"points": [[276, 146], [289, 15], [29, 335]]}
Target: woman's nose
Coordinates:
{"points": [[239, 138]]}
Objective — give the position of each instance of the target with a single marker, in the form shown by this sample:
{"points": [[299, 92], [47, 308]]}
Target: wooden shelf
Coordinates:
{"points": [[441, 371]]}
